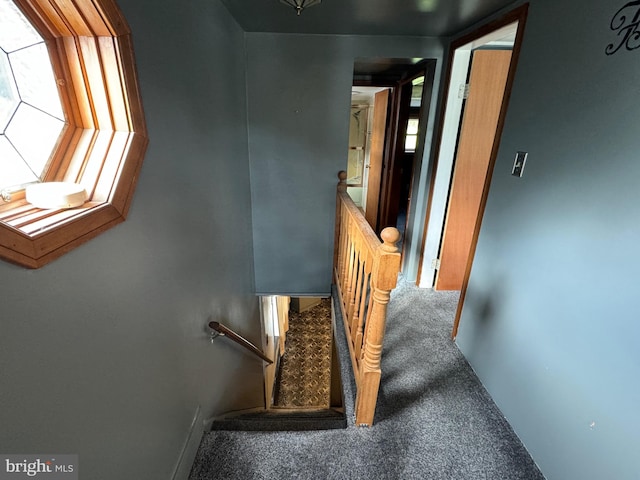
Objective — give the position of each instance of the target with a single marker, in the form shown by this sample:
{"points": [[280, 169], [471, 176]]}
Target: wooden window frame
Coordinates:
{"points": [[104, 139]]}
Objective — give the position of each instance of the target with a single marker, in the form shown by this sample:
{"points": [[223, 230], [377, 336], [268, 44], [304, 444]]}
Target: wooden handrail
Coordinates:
{"points": [[240, 340], [365, 270]]}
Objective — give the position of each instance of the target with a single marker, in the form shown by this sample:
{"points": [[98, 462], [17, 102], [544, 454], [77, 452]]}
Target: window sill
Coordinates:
{"points": [[32, 237]]}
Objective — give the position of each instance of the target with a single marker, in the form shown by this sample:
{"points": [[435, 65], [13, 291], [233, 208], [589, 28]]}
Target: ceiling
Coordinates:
{"points": [[385, 71], [364, 17]]}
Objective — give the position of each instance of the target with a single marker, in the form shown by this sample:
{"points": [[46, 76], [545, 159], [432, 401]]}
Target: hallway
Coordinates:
{"points": [[434, 419]]}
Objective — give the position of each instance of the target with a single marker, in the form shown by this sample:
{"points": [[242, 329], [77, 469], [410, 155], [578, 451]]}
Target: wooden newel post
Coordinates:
{"points": [[342, 187], [384, 278], [342, 181]]}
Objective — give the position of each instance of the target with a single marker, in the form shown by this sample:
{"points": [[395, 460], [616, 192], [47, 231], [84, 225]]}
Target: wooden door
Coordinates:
{"points": [[392, 173], [487, 81], [376, 156]]}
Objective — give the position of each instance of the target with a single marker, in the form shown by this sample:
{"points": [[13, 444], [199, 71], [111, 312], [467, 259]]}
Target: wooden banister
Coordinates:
{"points": [[365, 270], [240, 340]]}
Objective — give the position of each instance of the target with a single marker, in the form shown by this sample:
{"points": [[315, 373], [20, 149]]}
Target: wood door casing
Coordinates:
{"points": [[487, 81], [376, 156]]}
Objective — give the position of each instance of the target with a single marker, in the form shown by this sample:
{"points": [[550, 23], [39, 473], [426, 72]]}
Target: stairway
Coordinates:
{"points": [[309, 391]]}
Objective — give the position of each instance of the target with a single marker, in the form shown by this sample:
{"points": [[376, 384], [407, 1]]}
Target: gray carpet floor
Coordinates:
{"points": [[434, 420]]}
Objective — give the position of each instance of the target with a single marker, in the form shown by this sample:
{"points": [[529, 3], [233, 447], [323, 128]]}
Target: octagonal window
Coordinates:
{"points": [[70, 111], [31, 116]]}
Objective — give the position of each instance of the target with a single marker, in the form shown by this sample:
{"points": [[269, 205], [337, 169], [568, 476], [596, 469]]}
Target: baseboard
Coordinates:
{"points": [[206, 424], [190, 448]]}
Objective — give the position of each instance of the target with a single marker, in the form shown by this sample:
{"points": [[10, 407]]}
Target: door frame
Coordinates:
{"points": [[518, 15]]}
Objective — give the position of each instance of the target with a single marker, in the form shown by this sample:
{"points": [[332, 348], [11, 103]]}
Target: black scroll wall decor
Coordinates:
{"points": [[626, 23]]}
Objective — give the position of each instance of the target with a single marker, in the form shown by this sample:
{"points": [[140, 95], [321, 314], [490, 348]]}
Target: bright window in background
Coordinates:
{"points": [[411, 140], [31, 116]]}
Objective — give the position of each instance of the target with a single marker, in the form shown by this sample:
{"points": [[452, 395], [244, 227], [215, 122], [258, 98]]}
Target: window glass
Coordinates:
{"points": [[31, 116], [412, 126], [9, 98], [16, 31], [416, 92], [411, 140], [20, 133], [14, 170], [35, 80]]}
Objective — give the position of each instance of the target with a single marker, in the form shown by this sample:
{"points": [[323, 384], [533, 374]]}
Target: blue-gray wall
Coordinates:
{"points": [[299, 94], [551, 318], [104, 352]]}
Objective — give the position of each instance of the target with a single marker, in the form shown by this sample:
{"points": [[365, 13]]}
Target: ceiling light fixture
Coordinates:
{"points": [[300, 5]]}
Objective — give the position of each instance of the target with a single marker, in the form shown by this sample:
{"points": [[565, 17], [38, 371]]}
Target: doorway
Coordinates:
{"points": [[389, 109], [467, 147]]}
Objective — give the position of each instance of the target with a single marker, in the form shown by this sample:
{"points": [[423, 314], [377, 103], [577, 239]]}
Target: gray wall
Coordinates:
{"points": [[299, 93], [104, 352], [551, 319]]}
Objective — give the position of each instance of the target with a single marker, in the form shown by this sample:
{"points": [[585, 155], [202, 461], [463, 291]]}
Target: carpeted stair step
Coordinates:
{"points": [[278, 420]]}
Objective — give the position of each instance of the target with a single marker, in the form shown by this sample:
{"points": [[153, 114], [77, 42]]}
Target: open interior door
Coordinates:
{"points": [[378, 133], [487, 81]]}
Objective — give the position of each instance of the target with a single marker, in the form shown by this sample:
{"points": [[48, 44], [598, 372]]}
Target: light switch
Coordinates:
{"points": [[518, 164]]}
